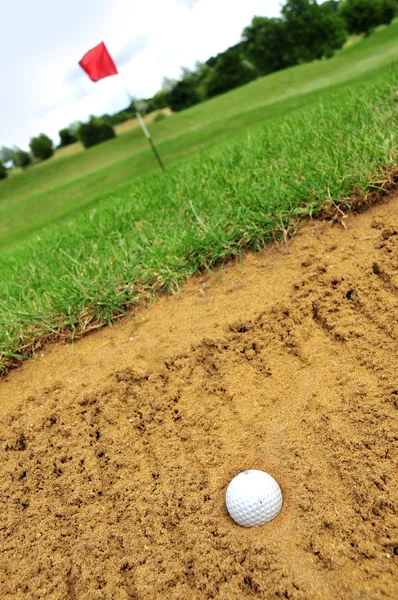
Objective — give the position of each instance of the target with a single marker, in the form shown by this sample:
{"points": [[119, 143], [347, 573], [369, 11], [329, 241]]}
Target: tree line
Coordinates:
{"points": [[304, 32]]}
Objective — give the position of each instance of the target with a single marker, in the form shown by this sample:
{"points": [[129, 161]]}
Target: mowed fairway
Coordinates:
{"points": [[50, 191]]}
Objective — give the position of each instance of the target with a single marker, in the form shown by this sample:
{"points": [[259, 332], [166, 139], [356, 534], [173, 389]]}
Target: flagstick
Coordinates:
{"points": [[98, 63], [145, 130]]}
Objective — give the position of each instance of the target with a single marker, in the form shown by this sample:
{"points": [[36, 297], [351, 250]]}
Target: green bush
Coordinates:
{"points": [[94, 132], [116, 119], [160, 116], [3, 171], [388, 10], [120, 117], [265, 45], [306, 31], [363, 16], [67, 137], [21, 158], [332, 5], [312, 31], [159, 100], [184, 94], [229, 71], [41, 146]]}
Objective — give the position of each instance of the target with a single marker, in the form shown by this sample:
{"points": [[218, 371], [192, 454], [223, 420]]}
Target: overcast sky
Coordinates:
{"points": [[43, 89]]}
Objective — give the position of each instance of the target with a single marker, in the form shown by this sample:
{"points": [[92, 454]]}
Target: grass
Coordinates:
{"points": [[78, 146], [153, 234], [61, 187]]}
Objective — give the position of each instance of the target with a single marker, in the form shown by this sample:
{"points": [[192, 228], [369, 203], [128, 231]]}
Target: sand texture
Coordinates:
{"points": [[116, 452]]}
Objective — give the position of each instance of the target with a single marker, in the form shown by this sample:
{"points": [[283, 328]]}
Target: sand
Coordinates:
{"points": [[116, 451]]}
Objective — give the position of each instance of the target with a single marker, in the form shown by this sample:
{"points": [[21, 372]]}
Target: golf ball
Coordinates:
{"points": [[253, 498]]}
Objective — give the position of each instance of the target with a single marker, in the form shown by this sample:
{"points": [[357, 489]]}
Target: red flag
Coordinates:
{"points": [[98, 63]]}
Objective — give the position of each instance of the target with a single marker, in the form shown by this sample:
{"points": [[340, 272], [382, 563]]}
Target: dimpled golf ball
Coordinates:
{"points": [[253, 498]]}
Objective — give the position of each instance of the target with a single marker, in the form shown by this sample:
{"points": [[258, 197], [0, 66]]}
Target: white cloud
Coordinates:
{"points": [[44, 89]]}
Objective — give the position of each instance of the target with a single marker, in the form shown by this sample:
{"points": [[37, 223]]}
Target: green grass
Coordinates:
{"points": [[153, 234], [49, 192]]}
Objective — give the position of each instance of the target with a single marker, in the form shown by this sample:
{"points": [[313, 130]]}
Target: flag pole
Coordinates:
{"points": [[98, 63], [145, 130]]}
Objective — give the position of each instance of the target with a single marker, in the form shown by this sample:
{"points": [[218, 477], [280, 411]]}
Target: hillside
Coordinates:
{"points": [[60, 187]]}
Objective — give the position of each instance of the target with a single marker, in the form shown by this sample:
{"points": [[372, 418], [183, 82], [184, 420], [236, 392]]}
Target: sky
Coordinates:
{"points": [[43, 88]]}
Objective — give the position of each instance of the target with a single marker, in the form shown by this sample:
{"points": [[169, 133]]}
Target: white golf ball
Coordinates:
{"points": [[253, 498]]}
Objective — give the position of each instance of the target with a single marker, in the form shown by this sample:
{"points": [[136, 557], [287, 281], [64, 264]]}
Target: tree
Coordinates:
{"points": [[168, 84], [229, 71], [3, 171], [388, 10], [184, 94], [6, 155], [264, 44], [94, 132], [119, 117], [333, 5], [363, 16], [159, 100], [306, 31], [41, 147], [67, 137], [74, 127], [311, 31], [21, 158]]}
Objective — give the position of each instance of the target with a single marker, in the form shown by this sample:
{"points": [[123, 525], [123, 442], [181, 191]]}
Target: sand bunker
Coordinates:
{"points": [[116, 452]]}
